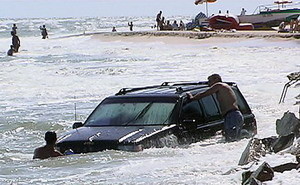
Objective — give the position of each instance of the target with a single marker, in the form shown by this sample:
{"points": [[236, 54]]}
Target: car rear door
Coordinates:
{"points": [[212, 114]]}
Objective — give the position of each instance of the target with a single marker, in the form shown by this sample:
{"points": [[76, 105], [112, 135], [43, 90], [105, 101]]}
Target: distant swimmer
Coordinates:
{"points": [[130, 26], [15, 41], [14, 28], [44, 32], [10, 52], [48, 150], [114, 29]]}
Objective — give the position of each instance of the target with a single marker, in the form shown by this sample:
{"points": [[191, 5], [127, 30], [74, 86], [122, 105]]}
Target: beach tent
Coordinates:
{"points": [[206, 2]]}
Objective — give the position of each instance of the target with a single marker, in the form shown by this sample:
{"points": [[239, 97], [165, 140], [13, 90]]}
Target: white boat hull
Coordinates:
{"points": [[268, 20]]}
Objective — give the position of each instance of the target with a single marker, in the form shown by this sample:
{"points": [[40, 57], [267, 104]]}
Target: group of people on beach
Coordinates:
{"points": [[16, 43], [163, 24], [292, 26]]}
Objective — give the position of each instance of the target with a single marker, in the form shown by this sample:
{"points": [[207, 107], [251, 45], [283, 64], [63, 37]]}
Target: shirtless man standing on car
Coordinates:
{"points": [[233, 118]]}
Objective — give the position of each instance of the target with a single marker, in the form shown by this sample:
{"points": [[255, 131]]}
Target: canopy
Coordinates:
{"points": [[204, 1], [282, 2]]}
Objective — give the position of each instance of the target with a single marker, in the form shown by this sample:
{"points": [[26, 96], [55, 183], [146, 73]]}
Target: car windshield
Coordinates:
{"points": [[128, 111]]}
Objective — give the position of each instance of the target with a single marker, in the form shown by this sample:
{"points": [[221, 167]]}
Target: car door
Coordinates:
{"points": [[213, 120], [191, 116]]}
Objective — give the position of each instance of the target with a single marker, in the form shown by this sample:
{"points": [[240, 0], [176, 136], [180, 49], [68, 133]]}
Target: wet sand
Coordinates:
{"points": [[190, 37]]}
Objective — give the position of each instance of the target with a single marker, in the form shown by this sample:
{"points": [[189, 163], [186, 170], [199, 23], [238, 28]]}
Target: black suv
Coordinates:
{"points": [[152, 116]]}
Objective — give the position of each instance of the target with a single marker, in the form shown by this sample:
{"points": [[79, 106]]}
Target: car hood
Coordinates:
{"points": [[119, 134]]}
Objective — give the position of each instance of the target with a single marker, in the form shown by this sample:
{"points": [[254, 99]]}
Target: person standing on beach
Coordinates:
{"points": [[175, 25], [243, 12], [130, 26], [15, 41], [48, 150], [158, 19], [181, 26], [233, 118], [14, 28], [44, 32], [162, 24]]}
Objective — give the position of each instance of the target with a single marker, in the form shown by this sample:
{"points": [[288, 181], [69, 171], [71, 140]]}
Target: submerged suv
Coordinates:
{"points": [[152, 116]]}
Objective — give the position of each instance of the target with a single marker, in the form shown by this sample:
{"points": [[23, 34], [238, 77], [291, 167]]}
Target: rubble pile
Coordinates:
{"points": [[287, 141]]}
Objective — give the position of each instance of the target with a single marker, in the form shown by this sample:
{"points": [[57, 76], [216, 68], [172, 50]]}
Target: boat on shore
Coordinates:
{"points": [[267, 16]]}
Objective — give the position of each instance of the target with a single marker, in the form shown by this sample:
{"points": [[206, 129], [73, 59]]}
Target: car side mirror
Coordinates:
{"points": [[77, 125]]}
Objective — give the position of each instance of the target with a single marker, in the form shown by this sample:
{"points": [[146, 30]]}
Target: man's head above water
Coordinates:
{"points": [[50, 138]]}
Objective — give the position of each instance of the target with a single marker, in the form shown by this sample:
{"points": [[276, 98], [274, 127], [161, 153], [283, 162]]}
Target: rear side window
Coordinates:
{"points": [[243, 106], [211, 109]]}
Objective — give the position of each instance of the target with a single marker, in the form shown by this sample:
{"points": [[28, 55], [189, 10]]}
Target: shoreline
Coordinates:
{"points": [[197, 35]]}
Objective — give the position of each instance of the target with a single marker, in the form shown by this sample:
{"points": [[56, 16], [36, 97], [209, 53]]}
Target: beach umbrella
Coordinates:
{"points": [[282, 3], [206, 2]]}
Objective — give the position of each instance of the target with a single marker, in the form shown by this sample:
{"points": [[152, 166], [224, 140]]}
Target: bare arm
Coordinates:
{"points": [[213, 89]]}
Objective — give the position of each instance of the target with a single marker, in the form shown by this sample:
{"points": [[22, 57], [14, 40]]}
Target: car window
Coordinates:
{"points": [[131, 113], [211, 109], [192, 111], [243, 106]]}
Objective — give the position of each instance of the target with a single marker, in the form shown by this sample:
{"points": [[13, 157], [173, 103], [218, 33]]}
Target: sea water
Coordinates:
{"points": [[43, 84]]}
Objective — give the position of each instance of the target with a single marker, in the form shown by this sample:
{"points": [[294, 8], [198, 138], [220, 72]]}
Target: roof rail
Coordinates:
{"points": [[178, 85], [123, 91]]}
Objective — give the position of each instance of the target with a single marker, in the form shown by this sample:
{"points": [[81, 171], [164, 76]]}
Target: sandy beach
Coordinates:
{"points": [[190, 37]]}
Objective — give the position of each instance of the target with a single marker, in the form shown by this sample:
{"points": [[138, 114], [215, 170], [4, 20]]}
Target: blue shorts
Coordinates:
{"points": [[233, 124]]}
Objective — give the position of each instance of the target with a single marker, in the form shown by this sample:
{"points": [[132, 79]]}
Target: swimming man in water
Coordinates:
{"points": [[48, 150]]}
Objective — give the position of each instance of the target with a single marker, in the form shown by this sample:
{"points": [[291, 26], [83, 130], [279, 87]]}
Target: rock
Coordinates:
{"points": [[295, 148], [245, 158], [288, 124], [256, 148], [286, 167], [283, 142], [246, 176], [263, 173], [252, 181]]}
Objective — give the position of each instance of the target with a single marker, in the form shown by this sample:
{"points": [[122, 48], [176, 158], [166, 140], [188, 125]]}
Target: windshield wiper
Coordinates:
{"points": [[141, 113]]}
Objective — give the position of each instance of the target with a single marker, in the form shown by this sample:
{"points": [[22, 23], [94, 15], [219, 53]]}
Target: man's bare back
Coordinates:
{"points": [[226, 97], [233, 118], [45, 152], [48, 150]]}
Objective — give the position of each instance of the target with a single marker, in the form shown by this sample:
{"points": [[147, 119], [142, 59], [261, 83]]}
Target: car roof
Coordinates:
{"points": [[170, 89]]}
